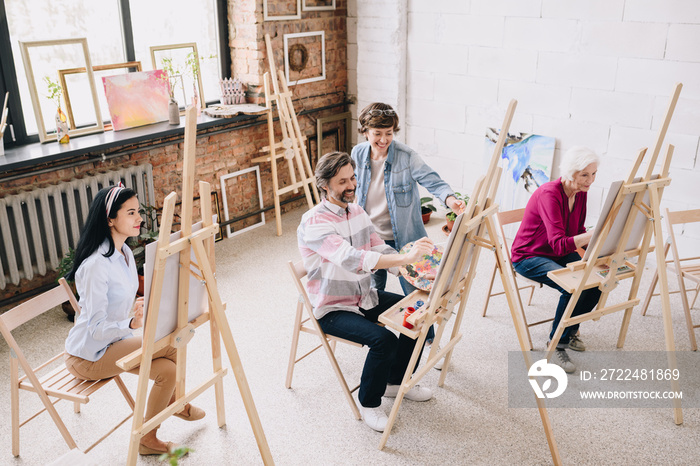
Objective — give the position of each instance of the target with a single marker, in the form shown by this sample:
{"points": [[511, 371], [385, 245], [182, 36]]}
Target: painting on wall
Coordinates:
{"points": [[527, 163], [137, 99]]}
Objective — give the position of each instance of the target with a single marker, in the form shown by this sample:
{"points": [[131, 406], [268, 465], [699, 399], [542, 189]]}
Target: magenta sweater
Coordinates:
{"points": [[548, 228]]}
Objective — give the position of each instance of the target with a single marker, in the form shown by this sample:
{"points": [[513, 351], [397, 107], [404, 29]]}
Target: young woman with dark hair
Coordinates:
{"points": [[105, 276]]}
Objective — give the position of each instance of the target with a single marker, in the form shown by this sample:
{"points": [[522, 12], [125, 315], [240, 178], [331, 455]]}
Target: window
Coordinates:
{"points": [[117, 31]]}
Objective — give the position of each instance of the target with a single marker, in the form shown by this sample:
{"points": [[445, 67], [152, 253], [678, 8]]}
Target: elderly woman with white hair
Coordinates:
{"points": [[550, 233]]}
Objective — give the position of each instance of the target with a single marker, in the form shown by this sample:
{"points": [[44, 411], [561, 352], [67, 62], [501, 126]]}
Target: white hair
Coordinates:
{"points": [[576, 159]]}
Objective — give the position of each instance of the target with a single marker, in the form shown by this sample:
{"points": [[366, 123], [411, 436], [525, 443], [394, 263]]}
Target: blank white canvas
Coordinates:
{"points": [[167, 311]]}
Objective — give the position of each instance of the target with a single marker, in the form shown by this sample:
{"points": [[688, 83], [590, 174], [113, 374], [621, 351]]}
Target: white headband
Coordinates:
{"points": [[112, 195]]}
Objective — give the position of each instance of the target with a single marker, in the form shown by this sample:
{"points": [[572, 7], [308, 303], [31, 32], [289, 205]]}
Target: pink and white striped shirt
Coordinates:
{"points": [[340, 249]]}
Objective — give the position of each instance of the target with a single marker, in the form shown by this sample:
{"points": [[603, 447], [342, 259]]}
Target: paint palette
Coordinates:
{"points": [[421, 274]]}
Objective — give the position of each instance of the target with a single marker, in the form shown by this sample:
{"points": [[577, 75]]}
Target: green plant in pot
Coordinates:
{"points": [[138, 243], [426, 208], [451, 215]]}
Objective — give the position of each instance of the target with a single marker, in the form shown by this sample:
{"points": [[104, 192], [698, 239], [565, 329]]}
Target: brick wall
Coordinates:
{"points": [[596, 73], [226, 152]]}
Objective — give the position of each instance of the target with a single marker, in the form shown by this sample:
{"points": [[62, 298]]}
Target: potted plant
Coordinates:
{"points": [[64, 267], [426, 208], [138, 243], [172, 72], [452, 216]]}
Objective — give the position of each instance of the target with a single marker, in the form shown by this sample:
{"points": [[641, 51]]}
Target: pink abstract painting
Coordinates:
{"points": [[137, 99]]}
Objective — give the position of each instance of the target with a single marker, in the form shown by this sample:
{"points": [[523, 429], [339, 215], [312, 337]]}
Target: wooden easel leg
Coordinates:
{"points": [[405, 387], [217, 365], [665, 301], [488, 295], [650, 293], [273, 172], [233, 356], [521, 330]]}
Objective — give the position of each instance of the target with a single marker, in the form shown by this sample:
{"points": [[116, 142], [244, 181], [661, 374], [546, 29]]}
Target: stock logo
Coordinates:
{"points": [[542, 368]]}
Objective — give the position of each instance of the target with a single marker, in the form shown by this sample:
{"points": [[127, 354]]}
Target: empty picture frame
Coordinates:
{"points": [[25, 49], [347, 116], [64, 83], [330, 141], [268, 17], [223, 178], [318, 5], [161, 50], [314, 42]]}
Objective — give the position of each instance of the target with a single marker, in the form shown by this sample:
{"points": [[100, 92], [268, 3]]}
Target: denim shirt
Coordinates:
{"points": [[402, 170]]}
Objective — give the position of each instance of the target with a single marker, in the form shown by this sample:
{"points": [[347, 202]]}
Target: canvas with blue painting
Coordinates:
{"points": [[527, 163]]}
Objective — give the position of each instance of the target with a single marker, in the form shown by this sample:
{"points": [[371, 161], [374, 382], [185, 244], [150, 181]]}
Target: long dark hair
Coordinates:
{"points": [[96, 228]]}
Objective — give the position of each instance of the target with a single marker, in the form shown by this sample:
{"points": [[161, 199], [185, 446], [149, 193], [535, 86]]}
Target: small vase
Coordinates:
{"points": [[62, 127], [173, 112]]}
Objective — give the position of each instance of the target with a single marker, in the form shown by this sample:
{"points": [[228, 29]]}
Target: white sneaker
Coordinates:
{"points": [[375, 418], [438, 365], [417, 393]]}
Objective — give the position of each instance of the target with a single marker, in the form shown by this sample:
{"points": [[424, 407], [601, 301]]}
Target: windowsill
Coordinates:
{"points": [[37, 153]]}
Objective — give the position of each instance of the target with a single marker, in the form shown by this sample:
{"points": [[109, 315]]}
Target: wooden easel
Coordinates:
{"points": [[201, 243], [581, 275], [453, 283], [292, 147]]}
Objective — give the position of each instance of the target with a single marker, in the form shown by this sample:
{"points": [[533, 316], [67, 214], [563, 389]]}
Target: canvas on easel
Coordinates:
{"points": [[631, 217], [452, 285], [200, 243]]}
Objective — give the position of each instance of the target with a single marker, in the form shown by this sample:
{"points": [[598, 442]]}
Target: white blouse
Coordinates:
{"points": [[107, 289]]}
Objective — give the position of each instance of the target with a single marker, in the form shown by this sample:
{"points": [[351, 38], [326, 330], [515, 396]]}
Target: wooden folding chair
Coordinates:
{"points": [[58, 382], [510, 217], [311, 325], [689, 271]]}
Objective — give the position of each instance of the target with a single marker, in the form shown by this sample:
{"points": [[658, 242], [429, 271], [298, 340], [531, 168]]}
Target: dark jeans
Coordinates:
{"points": [[536, 268], [388, 356], [379, 282]]}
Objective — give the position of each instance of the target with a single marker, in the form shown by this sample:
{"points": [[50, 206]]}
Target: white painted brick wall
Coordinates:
{"points": [[601, 10], [577, 70], [594, 72], [553, 35]]}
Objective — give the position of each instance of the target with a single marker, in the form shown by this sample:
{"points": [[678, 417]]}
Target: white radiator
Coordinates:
{"points": [[37, 228]]}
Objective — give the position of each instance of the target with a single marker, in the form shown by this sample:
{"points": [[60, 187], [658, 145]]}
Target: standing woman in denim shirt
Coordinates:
{"points": [[105, 276], [388, 174]]}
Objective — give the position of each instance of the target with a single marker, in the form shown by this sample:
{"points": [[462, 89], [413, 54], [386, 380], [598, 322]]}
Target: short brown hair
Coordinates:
{"points": [[367, 120], [328, 166]]}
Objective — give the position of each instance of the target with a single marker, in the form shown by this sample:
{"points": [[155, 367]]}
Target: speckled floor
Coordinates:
{"points": [[467, 422]]}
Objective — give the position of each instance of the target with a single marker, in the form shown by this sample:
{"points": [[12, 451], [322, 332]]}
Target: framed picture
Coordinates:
{"points": [[345, 116], [242, 196], [318, 5], [185, 63], [197, 213], [330, 142], [62, 77], [42, 59], [271, 11], [305, 57]]}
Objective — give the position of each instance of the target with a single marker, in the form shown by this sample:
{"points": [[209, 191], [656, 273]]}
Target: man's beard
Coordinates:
{"points": [[346, 196]]}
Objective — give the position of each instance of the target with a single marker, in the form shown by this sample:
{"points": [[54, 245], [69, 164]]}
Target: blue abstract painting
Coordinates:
{"points": [[526, 161]]}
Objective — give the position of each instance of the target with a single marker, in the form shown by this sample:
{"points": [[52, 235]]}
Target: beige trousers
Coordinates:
{"points": [[162, 370]]}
